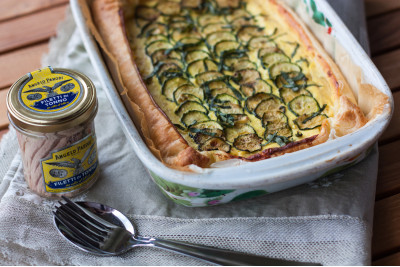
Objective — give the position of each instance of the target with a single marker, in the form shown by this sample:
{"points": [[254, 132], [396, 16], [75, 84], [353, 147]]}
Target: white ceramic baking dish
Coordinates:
{"points": [[221, 185]]}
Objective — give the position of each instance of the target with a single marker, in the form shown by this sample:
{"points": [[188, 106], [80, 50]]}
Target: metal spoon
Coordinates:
{"points": [[84, 215]]}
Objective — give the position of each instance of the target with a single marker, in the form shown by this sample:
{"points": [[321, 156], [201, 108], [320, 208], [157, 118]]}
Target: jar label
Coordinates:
{"points": [[49, 91], [71, 167]]}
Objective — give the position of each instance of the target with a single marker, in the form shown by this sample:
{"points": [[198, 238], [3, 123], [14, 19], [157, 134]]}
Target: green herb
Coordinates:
{"points": [[180, 127], [202, 131], [295, 50], [280, 140], [302, 59], [291, 81]]}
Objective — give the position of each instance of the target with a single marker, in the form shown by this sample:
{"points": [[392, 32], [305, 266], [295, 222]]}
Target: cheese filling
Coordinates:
{"points": [[228, 76]]}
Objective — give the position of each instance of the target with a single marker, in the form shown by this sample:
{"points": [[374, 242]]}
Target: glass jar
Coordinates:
{"points": [[52, 111]]}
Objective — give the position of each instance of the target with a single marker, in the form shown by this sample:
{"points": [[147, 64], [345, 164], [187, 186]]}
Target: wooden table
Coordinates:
{"points": [[27, 25]]}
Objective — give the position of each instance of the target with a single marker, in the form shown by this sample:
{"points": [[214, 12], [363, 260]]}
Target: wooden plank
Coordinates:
{"points": [[392, 260], [11, 9], [3, 132], [3, 109], [388, 170], [17, 63], [393, 130], [379, 7], [389, 65], [384, 32], [386, 231], [30, 29]]}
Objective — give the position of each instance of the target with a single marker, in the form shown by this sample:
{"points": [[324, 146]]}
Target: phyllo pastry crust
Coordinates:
{"points": [[216, 79]]}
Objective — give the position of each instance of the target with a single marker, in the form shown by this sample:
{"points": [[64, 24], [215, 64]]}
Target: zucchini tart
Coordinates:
{"points": [[211, 80]]}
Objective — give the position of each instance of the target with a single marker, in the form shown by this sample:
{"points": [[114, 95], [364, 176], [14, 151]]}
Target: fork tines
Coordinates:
{"points": [[81, 225]]}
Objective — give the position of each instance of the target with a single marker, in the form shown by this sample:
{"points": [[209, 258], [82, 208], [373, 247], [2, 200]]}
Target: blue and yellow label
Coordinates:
{"points": [[48, 91], [71, 167]]}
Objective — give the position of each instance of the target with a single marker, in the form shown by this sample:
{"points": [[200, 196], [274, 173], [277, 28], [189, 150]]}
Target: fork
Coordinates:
{"points": [[99, 236]]}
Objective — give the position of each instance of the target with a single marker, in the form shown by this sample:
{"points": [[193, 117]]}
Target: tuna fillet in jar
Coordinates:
{"points": [[52, 111]]}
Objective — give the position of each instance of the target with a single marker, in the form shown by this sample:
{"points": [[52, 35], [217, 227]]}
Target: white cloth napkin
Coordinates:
{"points": [[327, 221]]}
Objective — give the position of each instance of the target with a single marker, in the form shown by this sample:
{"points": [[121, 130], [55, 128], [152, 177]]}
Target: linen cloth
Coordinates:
{"points": [[328, 221]]}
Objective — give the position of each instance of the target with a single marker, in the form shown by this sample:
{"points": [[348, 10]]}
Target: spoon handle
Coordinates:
{"points": [[219, 256]]}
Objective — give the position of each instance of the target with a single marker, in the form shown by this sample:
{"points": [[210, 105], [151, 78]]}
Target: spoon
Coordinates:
{"points": [[115, 217]]}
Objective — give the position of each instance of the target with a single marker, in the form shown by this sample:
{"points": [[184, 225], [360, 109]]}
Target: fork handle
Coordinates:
{"points": [[216, 255]]}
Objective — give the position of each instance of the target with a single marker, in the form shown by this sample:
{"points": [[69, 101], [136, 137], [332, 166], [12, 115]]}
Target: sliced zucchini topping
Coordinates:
{"points": [[161, 55], [209, 18], [170, 85], [248, 142], [276, 123], [259, 42], [233, 83], [292, 80], [221, 47], [303, 104], [227, 104], [246, 32], [307, 122], [215, 143], [268, 105], [216, 27], [240, 129], [281, 67], [169, 8], [213, 38], [156, 37], [288, 94], [243, 64], [224, 90], [209, 76], [157, 45], [272, 58], [200, 66], [238, 13], [154, 28], [189, 106], [193, 117], [246, 76], [259, 86], [196, 55], [182, 92], [253, 101], [242, 21]]}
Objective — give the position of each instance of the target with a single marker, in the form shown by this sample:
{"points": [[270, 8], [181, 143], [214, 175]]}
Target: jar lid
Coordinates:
{"points": [[51, 99]]}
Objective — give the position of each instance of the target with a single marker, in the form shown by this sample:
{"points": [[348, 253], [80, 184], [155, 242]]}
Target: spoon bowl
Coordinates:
{"points": [[105, 212]]}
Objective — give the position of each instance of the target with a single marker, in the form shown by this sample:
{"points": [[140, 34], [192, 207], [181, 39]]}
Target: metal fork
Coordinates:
{"points": [[99, 236]]}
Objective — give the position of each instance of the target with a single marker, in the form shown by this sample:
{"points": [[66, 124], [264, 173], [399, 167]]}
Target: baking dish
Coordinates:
{"points": [[239, 181]]}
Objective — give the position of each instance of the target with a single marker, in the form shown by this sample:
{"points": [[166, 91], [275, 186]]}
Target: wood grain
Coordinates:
{"points": [[3, 109], [388, 171], [17, 63], [384, 32], [3, 132], [386, 229], [389, 65], [392, 260], [379, 7], [30, 29], [393, 130], [11, 9]]}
